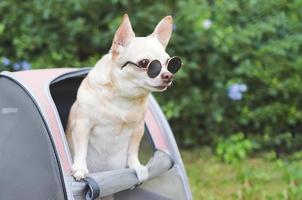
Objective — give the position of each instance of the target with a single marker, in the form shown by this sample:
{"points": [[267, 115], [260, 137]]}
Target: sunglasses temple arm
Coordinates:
{"points": [[129, 62]]}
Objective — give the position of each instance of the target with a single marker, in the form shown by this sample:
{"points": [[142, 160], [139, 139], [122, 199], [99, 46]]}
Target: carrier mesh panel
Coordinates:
{"points": [[28, 166]]}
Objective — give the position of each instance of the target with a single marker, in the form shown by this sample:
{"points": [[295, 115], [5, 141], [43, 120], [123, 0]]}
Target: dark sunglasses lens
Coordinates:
{"points": [[174, 65], [154, 69]]}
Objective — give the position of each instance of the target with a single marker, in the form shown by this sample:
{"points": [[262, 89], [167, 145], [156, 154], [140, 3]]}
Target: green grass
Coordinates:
{"points": [[257, 178]]}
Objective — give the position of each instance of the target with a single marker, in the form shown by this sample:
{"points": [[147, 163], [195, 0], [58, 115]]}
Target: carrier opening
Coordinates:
{"points": [[165, 183], [64, 91]]}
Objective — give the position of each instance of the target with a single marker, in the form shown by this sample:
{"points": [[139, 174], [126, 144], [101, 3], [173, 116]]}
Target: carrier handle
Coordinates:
{"points": [[110, 182]]}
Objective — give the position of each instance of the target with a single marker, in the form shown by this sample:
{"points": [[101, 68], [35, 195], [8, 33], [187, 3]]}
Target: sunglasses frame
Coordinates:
{"points": [[146, 69]]}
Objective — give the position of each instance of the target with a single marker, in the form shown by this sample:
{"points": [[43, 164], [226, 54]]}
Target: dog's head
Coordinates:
{"points": [[141, 63]]}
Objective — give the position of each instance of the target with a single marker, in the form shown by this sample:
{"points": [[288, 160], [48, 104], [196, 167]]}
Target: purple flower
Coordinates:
{"points": [[174, 27], [236, 90], [16, 66], [25, 65], [5, 61]]}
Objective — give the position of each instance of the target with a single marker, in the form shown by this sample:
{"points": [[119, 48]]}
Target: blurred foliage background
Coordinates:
{"points": [[239, 91], [223, 44]]}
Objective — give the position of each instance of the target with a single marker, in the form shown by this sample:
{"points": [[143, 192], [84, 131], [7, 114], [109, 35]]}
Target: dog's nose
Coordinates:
{"points": [[167, 77]]}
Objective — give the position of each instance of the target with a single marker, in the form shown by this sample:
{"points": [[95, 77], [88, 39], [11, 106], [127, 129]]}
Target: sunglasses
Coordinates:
{"points": [[154, 67]]}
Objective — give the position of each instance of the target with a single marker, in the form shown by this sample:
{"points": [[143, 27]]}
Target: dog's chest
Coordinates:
{"points": [[108, 147], [113, 130], [110, 137]]}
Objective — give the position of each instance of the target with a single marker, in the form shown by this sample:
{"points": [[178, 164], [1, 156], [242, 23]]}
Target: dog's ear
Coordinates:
{"points": [[163, 30], [123, 35]]}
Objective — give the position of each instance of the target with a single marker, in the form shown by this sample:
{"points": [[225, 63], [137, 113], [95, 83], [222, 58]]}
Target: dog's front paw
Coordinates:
{"points": [[134, 163], [79, 172]]}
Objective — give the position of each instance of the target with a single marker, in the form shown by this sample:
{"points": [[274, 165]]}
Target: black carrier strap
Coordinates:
{"points": [[93, 190]]}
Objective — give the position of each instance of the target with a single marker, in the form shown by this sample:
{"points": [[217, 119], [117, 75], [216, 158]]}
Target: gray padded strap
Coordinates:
{"points": [[93, 191], [141, 173]]}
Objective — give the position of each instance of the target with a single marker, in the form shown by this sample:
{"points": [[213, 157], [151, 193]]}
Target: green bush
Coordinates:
{"points": [[235, 148], [254, 43]]}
